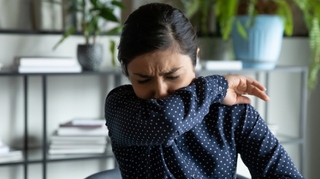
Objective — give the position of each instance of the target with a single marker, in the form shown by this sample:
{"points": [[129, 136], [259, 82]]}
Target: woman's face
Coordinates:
{"points": [[157, 74]]}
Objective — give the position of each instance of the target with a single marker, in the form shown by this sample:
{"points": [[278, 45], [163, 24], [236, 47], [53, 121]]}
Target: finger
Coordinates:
{"points": [[247, 85], [256, 84], [260, 94], [243, 100]]}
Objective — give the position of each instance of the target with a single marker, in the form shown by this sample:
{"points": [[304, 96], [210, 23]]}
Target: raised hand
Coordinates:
{"points": [[240, 86]]}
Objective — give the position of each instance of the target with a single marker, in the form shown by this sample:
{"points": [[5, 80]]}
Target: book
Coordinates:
{"points": [[73, 146], [71, 124], [82, 131], [84, 128], [46, 61], [84, 123], [97, 150], [4, 149], [12, 155], [56, 137], [30, 69], [78, 140], [88, 121], [71, 129], [222, 64], [61, 144], [7, 154]]}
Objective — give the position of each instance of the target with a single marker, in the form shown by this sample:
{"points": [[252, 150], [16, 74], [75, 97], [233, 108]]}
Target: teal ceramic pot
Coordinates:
{"points": [[262, 47], [90, 56]]}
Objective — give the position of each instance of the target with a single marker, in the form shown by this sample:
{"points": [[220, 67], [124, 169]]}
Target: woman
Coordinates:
{"points": [[170, 123]]}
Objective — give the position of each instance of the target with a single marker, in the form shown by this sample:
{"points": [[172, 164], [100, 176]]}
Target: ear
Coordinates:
{"points": [[198, 50], [198, 65]]}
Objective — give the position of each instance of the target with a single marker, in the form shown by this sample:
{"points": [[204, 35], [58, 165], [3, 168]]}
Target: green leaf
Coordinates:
{"points": [[113, 52], [284, 11], [191, 6], [83, 4], [70, 31], [91, 12], [251, 13], [217, 8], [314, 34], [204, 11], [313, 75], [118, 4], [94, 3], [242, 31], [92, 26], [53, 1], [107, 14], [115, 30], [225, 13], [73, 9]]}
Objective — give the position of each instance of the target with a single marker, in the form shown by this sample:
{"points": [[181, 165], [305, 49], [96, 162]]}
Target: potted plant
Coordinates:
{"points": [[311, 13], [94, 14], [227, 11], [256, 28]]}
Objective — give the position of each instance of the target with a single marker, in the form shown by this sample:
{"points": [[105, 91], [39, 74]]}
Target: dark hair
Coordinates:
{"points": [[156, 26]]}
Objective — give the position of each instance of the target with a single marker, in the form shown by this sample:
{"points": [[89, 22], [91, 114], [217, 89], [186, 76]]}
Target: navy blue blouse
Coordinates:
{"points": [[189, 134]]}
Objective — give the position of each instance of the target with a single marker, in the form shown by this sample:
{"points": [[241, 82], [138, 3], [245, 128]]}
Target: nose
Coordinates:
{"points": [[161, 90]]}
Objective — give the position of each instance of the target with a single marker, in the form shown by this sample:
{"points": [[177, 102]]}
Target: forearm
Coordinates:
{"points": [[133, 121]]}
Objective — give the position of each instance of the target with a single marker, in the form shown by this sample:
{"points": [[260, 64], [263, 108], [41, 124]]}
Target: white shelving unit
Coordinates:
{"points": [[41, 156]]}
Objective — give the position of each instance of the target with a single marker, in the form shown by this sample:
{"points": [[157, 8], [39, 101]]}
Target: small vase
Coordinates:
{"points": [[90, 56], [262, 48]]}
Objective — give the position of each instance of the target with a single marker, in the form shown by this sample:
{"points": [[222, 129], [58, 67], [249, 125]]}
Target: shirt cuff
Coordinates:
{"points": [[217, 87]]}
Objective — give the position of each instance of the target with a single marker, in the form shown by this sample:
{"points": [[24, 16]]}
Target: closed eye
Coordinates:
{"points": [[173, 77], [143, 81]]}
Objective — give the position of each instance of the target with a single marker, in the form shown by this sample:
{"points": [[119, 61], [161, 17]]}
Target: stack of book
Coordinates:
{"points": [[80, 136], [221, 64], [7, 154], [46, 65]]}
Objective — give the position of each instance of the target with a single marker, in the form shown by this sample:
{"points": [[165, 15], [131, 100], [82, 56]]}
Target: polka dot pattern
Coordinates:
{"points": [[189, 134]]}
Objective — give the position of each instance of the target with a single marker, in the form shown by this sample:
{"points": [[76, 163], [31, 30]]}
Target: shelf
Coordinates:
{"points": [[117, 70], [40, 156], [286, 68], [109, 71], [35, 156]]}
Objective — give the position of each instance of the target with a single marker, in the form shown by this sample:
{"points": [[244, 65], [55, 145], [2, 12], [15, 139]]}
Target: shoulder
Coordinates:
{"points": [[123, 89], [120, 95]]}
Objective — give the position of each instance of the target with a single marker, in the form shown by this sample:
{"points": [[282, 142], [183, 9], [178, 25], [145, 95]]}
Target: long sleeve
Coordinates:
{"points": [[260, 150], [133, 121]]}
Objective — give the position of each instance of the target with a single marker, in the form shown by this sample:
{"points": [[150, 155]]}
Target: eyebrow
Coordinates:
{"points": [[161, 74]]}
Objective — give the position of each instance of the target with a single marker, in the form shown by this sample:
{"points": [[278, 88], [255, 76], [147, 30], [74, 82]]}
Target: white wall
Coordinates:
{"points": [[295, 51]]}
